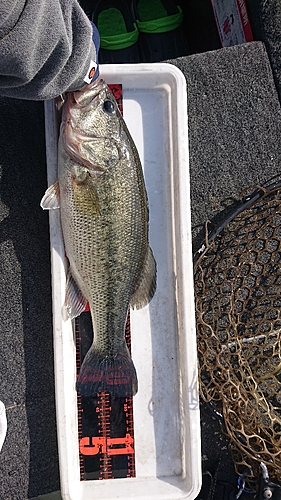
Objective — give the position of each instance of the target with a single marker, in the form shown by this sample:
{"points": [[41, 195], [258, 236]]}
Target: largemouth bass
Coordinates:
{"points": [[104, 216]]}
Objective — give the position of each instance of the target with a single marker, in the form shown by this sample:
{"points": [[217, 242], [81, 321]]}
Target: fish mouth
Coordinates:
{"points": [[71, 136], [80, 99], [97, 86]]}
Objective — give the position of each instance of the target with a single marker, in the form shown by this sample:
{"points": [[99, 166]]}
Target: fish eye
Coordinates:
{"points": [[108, 106]]}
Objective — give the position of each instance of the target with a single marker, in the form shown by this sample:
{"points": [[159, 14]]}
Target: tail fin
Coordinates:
{"points": [[115, 374]]}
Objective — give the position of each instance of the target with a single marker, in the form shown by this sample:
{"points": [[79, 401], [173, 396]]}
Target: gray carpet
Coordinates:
{"points": [[28, 461], [234, 121]]}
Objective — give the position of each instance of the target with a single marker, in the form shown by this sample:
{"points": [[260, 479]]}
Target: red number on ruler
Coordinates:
{"points": [[110, 446]]}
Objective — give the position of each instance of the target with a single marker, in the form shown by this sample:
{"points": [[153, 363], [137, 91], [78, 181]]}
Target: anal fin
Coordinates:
{"points": [[146, 285]]}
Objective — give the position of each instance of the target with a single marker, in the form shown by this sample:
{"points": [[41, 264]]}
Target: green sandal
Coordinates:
{"points": [[118, 32], [160, 26]]}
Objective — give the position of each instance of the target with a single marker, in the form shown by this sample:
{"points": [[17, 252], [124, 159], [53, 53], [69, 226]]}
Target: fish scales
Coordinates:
{"points": [[104, 217], [104, 251]]}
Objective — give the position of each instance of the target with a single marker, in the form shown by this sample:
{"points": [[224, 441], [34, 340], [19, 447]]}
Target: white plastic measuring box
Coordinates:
{"points": [[166, 407]]}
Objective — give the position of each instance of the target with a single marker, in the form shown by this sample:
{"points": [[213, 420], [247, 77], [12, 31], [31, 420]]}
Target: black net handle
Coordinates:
{"points": [[243, 204]]}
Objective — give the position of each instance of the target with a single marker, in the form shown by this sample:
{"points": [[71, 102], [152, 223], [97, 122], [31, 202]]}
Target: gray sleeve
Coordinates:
{"points": [[46, 48]]}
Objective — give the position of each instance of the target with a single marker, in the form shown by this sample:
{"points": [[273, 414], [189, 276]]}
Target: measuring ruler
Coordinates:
{"points": [[105, 422]]}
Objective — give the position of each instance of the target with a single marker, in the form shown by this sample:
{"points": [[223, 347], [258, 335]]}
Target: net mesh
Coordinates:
{"points": [[238, 316]]}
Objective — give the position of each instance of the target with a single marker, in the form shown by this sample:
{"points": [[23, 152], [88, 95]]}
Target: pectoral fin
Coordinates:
{"points": [[86, 197], [51, 198], [74, 303], [146, 285]]}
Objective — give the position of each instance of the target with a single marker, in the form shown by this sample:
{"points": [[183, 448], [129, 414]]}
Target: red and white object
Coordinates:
{"points": [[232, 22]]}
